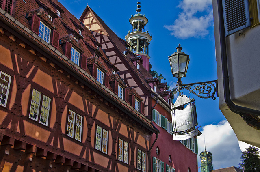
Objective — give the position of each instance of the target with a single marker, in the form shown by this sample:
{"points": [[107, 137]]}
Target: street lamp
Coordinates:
{"points": [[179, 65]]}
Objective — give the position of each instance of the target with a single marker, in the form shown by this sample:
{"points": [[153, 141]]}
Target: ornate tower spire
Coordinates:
{"points": [[138, 38], [206, 161]]}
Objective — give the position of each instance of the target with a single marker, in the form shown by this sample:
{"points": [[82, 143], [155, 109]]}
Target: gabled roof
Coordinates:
{"points": [[228, 169], [117, 42]]}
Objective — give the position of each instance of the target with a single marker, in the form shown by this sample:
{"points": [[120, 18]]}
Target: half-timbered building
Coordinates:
{"points": [[131, 57], [64, 105]]}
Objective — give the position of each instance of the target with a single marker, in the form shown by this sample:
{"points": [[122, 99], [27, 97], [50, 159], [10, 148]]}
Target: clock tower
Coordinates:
{"points": [[206, 161]]}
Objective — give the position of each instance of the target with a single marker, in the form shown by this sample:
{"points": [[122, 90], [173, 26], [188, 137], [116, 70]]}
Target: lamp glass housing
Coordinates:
{"points": [[179, 64]]}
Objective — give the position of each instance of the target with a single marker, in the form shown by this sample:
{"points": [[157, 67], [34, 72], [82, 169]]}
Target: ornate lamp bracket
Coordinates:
{"points": [[201, 89]]}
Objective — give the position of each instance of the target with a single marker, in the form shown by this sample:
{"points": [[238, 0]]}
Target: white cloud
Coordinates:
{"points": [[190, 22], [222, 142]]}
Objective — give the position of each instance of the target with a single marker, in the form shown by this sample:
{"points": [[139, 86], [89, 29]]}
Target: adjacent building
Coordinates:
{"points": [[76, 97], [236, 30]]}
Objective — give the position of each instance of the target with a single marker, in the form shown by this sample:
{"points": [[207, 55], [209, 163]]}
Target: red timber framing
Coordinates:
{"points": [[40, 140], [173, 154]]}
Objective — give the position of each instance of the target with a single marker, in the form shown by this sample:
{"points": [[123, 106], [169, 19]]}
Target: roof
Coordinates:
{"points": [[228, 169], [19, 26]]}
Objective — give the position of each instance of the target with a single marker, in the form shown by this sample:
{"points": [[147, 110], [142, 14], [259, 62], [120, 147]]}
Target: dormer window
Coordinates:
{"points": [[50, 17], [44, 32], [154, 88], [58, 13], [75, 55], [100, 76], [137, 66], [137, 105], [120, 92]]}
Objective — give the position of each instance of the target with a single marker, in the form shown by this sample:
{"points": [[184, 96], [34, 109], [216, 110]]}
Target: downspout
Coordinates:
{"points": [[149, 151], [249, 115]]}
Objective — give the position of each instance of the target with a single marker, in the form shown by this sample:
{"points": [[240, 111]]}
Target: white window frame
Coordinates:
{"points": [[120, 92], [103, 142], [74, 126], [58, 13], [44, 32], [4, 87], [41, 107], [100, 76], [123, 156], [143, 160], [75, 56]]}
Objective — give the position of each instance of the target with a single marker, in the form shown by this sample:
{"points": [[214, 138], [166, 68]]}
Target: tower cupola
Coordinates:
{"points": [[138, 38]]}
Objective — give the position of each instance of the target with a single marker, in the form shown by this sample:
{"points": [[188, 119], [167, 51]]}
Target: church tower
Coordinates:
{"points": [[206, 161], [138, 39]]}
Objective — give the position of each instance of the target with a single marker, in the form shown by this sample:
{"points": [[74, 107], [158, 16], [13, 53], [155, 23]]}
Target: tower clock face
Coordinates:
{"points": [[203, 159]]}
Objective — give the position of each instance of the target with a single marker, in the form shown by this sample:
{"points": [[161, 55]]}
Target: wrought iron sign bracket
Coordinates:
{"points": [[201, 89]]}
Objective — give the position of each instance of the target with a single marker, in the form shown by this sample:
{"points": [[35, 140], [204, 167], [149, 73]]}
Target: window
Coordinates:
{"points": [[50, 17], [123, 151], [74, 125], [120, 92], [100, 76], [5, 82], [40, 101], [169, 168], [44, 32], [141, 160], [80, 32], [158, 165], [101, 139], [137, 66], [58, 13], [137, 105], [75, 55], [154, 88]]}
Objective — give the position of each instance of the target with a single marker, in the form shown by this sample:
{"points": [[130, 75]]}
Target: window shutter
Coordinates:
{"points": [[166, 124], [67, 49], [154, 164], [167, 167], [133, 101], [55, 38], [127, 95], [162, 166], [185, 142], [116, 87], [94, 72], [142, 107], [253, 12], [236, 15], [163, 122], [106, 80], [153, 115], [196, 146], [35, 24], [83, 62]]}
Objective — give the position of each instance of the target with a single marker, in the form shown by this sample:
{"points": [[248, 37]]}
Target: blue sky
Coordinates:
{"points": [[190, 23]]}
